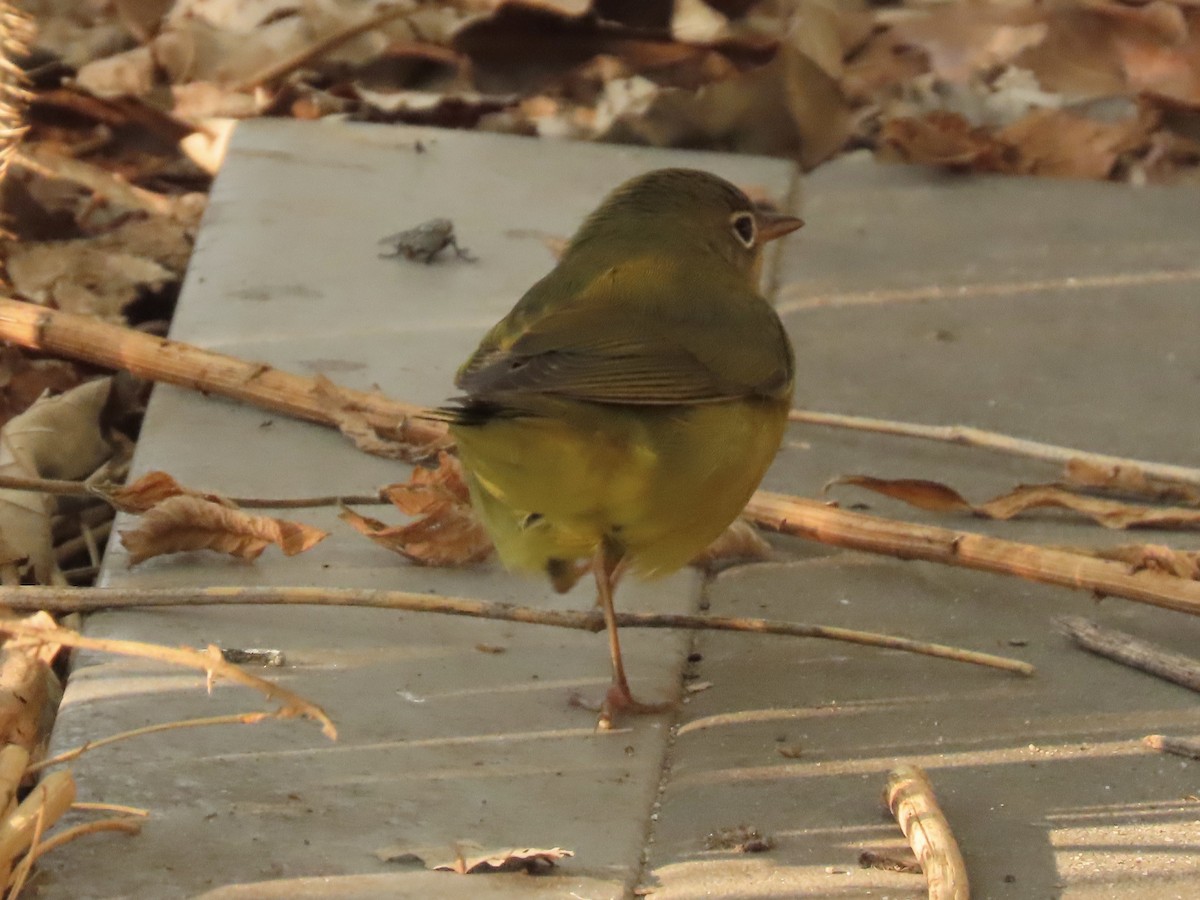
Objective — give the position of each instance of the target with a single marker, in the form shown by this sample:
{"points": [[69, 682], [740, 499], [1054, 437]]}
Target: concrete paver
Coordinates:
{"points": [[909, 296], [1045, 780], [440, 742]]}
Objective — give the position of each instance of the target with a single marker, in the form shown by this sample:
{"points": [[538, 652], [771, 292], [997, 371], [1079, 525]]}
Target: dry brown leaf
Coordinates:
{"points": [[930, 495], [57, 437], [468, 858], [447, 535], [151, 489], [1063, 144], [29, 691], [1109, 513], [448, 532], [789, 107], [964, 41], [1128, 481], [937, 497], [428, 488], [940, 139], [182, 523], [740, 542]]}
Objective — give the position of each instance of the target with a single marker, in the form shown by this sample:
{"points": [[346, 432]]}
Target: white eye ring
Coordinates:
{"points": [[745, 228]]}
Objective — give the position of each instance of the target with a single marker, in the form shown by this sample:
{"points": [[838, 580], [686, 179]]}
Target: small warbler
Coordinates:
{"points": [[627, 407]]}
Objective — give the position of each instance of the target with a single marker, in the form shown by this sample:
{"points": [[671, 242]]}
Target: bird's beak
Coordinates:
{"points": [[773, 225]]}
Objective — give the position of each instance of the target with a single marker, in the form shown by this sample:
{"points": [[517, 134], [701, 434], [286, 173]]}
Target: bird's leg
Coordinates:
{"points": [[607, 566]]}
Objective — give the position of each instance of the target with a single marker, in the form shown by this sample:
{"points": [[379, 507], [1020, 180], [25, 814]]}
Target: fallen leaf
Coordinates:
{"points": [[930, 495], [57, 437], [469, 858], [940, 139], [448, 532], [1129, 481], [448, 535], [1063, 144], [740, 542], [789, 107], [181, 523], [151, 489], [29, 690], [937, 497]]}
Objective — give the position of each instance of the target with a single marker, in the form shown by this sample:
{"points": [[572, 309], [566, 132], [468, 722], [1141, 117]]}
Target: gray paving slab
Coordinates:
{"points": [[1058, 311], [440, 742], [1045, 779]]}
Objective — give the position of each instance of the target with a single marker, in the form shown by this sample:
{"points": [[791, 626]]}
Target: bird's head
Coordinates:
{"points": [[685, 211]]}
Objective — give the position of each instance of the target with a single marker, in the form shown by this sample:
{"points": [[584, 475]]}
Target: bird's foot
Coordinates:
{"points": [[619, 700]]}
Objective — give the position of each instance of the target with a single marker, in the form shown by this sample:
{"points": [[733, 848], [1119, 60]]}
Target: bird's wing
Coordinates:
{"points": [[639, 338]]}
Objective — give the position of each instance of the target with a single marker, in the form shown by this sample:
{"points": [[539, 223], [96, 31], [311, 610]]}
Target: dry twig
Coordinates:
{"points": [[319, 48], [55, 793], [208, 661], [1189, 747], [909, 796], [127, 824], [969, 436], [1131, 651], [62, 600], [249, 718], [816, 521], [185, 365]]}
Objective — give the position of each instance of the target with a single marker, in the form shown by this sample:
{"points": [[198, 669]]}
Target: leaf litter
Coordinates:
{"points": [[105, 202]]}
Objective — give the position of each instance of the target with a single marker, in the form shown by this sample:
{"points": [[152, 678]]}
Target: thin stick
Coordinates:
{"points": [[909, 796], [816, 521], [21, 875], [127, 824], [62, 487], [320, 48], [250, 718], [209, 662], [969, 436], [56, 792], [97, 180], [92, 806], [1189, 747], [13, 761], [83, 338], [65, 599], [1131, 651]]}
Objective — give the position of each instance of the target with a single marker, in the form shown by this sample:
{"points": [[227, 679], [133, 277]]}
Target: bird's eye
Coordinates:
{"points": [[745, 228]]}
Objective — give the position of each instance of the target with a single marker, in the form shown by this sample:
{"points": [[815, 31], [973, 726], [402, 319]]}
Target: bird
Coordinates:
{"points": [[621, 415]]}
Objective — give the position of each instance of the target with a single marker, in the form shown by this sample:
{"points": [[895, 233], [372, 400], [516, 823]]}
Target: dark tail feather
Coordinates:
{"points": [[468, 412]]}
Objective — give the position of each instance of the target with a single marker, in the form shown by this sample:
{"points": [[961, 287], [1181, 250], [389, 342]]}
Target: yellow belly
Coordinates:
{"points": [[662, 482]]}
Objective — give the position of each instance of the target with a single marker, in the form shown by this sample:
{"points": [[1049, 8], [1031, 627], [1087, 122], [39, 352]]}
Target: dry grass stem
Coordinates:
{"points": [[249, 718], [208, 661], [1189, 747], [127, 824], [62, 600], [51, 798], [1131, 651], [91, 340], [969, 436], [814, 520], [99, 181], [89, 806], [14, 762], [16, 883], [909, 796], [319, 48]]}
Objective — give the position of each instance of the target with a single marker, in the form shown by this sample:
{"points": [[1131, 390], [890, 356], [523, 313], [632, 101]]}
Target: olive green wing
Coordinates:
{"points": [[638, 337]]}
